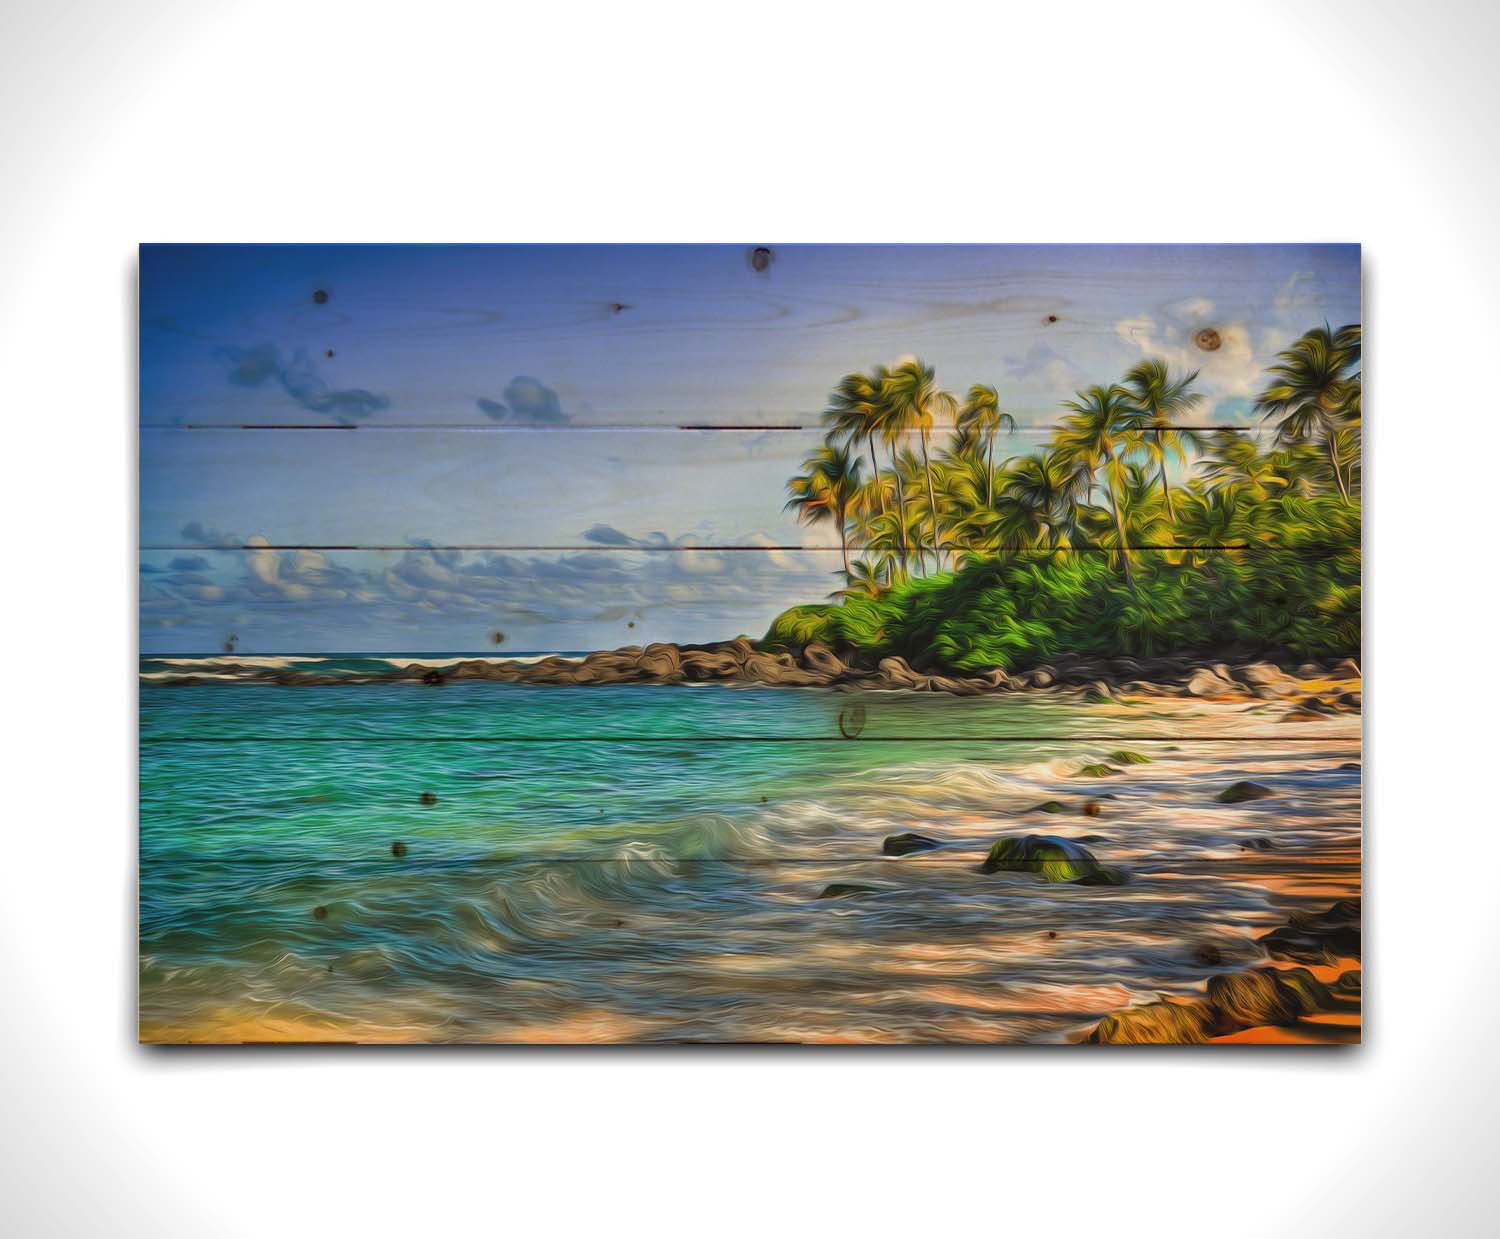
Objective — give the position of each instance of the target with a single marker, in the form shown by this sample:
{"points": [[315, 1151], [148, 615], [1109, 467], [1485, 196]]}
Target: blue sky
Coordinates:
{"points": [[527, 396]]}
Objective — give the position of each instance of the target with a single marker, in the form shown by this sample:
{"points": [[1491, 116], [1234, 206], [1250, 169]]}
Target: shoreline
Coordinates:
{"points": [[1313, 688]]}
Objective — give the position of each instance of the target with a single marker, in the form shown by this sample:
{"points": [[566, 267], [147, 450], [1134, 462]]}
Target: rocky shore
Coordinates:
{"points": [[1312, 688], [1278, 1002]]}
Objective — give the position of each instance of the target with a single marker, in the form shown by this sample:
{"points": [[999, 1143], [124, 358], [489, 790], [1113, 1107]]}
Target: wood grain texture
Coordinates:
{"points": [[668, 335], [391, 497]]}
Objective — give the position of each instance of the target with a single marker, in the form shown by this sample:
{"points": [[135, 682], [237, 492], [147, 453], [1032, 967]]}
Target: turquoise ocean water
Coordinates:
{"points": [[481, 861]]}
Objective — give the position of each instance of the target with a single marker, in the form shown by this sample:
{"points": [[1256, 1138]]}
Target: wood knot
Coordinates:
{"points": [[760, 258], [1207, 339]]}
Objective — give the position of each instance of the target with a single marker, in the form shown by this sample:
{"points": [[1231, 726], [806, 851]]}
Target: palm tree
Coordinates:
{"points": [[1044, 490], [827, 488], [1316, 392], [1236, 466], [855, 410], [1162, 401], [982, 417], [864, 581], [917, 401], [1104, 424]]}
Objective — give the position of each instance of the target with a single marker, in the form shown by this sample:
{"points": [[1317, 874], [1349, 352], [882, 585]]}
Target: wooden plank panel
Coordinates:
{"points": [[673, 335], [360, 465], [602, 488]]}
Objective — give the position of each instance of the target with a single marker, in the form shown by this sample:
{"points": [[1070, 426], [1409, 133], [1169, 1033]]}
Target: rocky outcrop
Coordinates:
{"points": [[1258, 998], [1051, 858], [815, 665]]}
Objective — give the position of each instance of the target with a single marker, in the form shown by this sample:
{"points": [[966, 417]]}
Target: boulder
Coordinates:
{"points": [[1205, 682], [896, 672], [906, 844], [818, 657], [1238, 793], [846, 890], [1250, 999], [1318, 937], [1345, 669], [661, 662], [1051, 858], [1156, 1023]]}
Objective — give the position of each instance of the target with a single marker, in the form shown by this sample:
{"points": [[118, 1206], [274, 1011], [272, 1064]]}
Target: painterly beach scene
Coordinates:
{"points": [[740, 644]]}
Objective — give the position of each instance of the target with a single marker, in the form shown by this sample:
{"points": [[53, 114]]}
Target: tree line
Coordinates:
{"points": [[1100, 481]]}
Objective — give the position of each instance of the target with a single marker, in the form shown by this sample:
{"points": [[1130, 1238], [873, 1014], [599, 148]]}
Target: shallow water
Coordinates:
{"points": [[645, 862]]}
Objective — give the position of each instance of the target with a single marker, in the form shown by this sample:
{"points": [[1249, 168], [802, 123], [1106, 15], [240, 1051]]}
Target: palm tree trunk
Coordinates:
{"points": [[1338, 474], [844, 546], [901, 501], [879, 494], [937, 555], [1166, 489], [1114, 506], [989, 474]]}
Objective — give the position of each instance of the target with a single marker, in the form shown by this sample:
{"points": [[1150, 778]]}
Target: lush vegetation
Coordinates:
{"points": [[954, 558]]}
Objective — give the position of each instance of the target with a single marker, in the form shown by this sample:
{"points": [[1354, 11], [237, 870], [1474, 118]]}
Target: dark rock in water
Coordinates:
{"points": [[1093, 838], [1238, 793], [320, 913], [1319, 937], [1095, 770], [432, 677], [1259, 844], [1050, 806], [1124, 757], [1349, 982], [1208, 954], [1156, 1023], [1351, 765], [844, 890], [1092, 808], [1051, 858], [1311, 992], [906, 844], [1249, 999], [398, 848], [427, 798]]}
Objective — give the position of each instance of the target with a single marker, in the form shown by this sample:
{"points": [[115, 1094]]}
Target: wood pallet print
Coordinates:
{"points": [[750, 644]]}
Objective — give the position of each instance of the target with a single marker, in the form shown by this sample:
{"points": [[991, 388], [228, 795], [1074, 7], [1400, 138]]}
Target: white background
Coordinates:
{"points": [[263, 121]]}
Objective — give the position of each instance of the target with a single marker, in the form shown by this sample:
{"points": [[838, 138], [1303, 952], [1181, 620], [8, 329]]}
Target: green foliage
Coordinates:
{"points": [[967, 565], [1300, 594]]}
